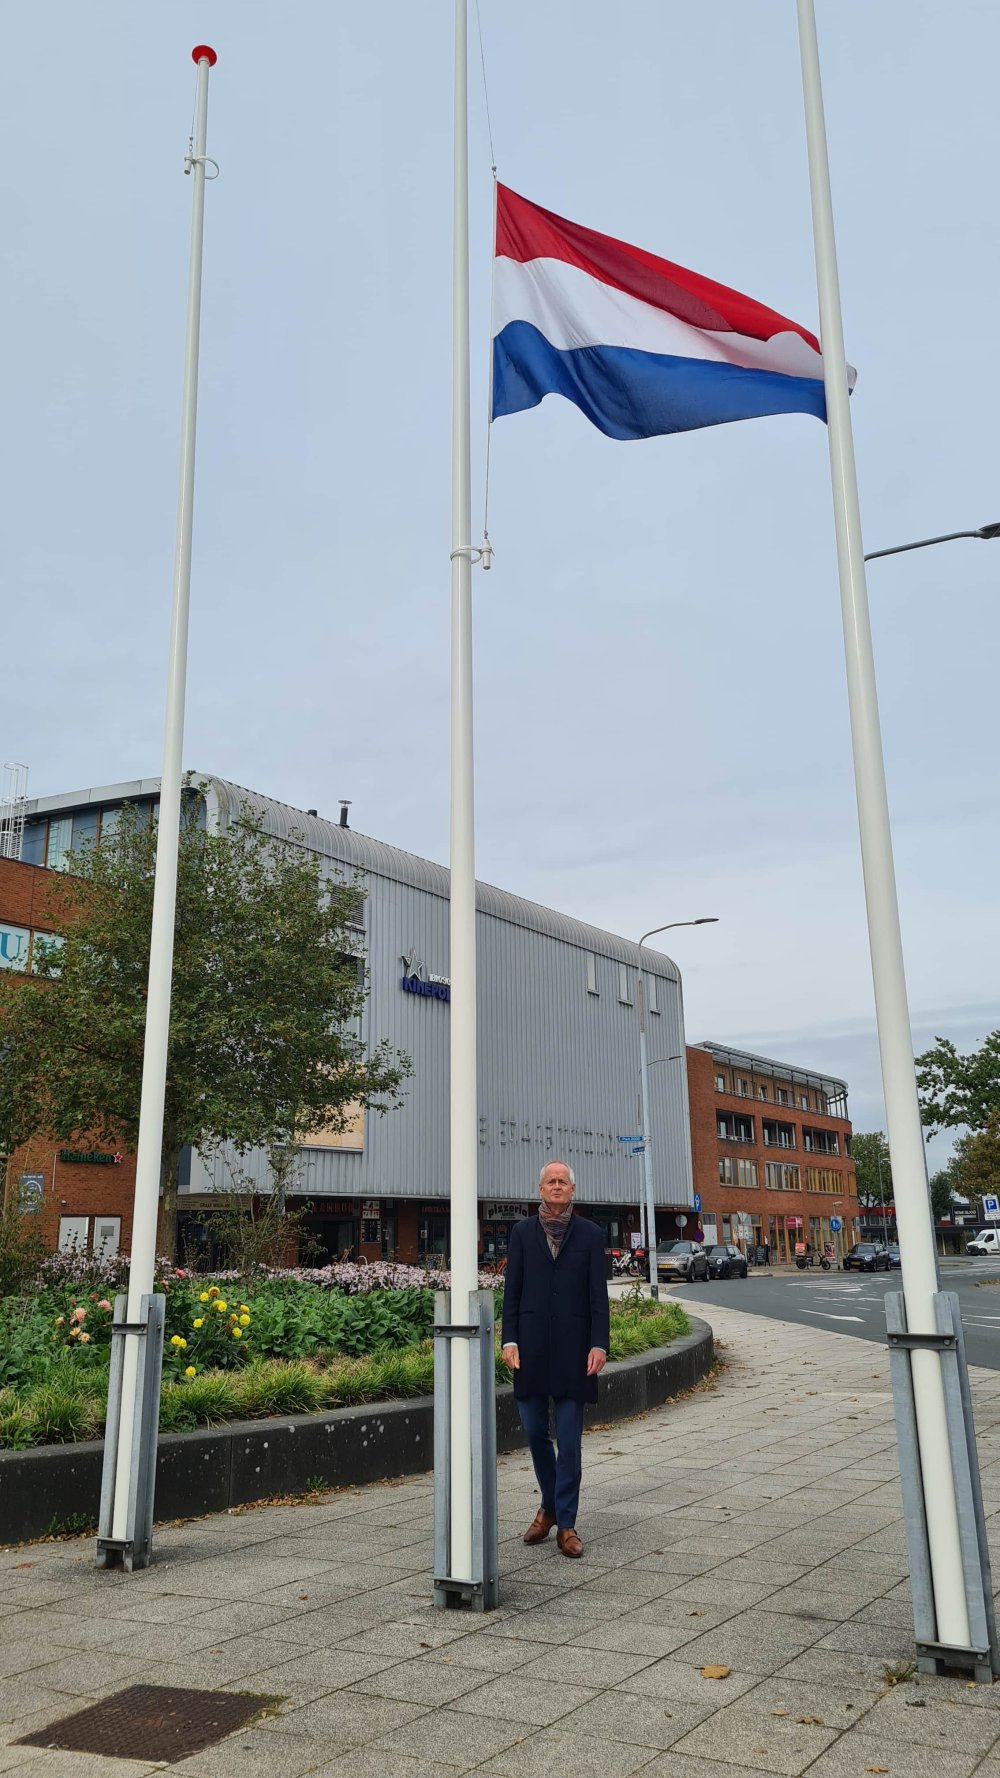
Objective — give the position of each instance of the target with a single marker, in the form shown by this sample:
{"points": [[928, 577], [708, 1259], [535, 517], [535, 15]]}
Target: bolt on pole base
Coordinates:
{"points": [[134, 1550], [481, 1591], [982, 1657]]}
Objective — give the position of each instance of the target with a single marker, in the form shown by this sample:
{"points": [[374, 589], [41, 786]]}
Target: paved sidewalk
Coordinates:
{"points": [[754, 1528]]}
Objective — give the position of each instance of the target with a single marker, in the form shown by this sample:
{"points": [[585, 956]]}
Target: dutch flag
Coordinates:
{"points": [[640, 345]]}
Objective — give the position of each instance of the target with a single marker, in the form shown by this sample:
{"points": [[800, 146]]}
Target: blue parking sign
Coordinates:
{"points": [[697, 1200]]}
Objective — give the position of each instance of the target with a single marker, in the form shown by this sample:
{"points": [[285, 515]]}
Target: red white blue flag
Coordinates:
{"points": [[642, 346]]}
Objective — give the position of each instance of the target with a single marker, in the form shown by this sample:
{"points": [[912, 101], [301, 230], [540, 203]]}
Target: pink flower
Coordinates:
{"points": [[104, 1304], [79, 1314]]}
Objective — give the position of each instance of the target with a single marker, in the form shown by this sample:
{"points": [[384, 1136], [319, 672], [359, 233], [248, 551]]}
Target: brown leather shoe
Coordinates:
{"points": [[540, 1527], [569, 1543]]}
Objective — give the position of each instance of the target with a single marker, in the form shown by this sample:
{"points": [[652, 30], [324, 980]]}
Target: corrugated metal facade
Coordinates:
{"points": [[558, 1064]]}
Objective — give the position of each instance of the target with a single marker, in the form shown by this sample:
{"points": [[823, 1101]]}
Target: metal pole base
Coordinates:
{"points": [[982, 1658], [135, 1548], [482, 1592]]}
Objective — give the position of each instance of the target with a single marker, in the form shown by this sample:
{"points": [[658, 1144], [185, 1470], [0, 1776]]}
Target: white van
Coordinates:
{"points": [[987, 1241]]}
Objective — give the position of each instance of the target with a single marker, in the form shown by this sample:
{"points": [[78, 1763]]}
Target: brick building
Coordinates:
{"points": [[82, 1194], [770, 1150]]}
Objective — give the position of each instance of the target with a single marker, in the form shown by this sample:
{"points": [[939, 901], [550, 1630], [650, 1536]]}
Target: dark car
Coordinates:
{"points": [[895, 1261], [681, 1259], [726, 1261], [867, 1256]]}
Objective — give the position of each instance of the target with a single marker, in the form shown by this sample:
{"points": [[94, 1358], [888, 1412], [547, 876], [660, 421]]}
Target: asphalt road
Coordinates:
{"points": [[852, 1302]]}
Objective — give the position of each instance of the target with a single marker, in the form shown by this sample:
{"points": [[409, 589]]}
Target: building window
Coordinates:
{"points": [[60, 842], [734, 1128], [820, 1141], [761, 1090], [651, 994], [779, 1176], [624, 991], [803, 1101], [781, 1094], [741, 1086], [777, 1134], [824, 1179], [720, 1083], [747, 1173], [725, 1171], [727, 1228], [592, 987]]}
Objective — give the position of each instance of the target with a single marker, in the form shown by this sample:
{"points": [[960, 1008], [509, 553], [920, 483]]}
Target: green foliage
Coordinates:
{"points": [[959, 1091], [21, 1249], [940, 1190], [870, 1154], [267, 989], [975, 1165], [65, 1397]]}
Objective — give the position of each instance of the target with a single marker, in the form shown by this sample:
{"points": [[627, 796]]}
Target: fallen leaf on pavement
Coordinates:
{"points": [[876, 1768], [779, 1712], [25, 1564], [815, 1722], [696, 1614], [715, 1672]]}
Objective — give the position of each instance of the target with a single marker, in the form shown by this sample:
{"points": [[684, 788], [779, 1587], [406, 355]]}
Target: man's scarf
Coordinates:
{"points": [[554, 1223]]}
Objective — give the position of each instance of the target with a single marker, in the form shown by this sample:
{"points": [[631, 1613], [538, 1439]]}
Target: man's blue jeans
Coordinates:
{"points": [[558, 1477]]}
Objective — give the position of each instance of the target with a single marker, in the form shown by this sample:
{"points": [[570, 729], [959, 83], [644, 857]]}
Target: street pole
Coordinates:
{"points": [[128, 1457], [462, 965], [906, 1143], [647, 1159]]}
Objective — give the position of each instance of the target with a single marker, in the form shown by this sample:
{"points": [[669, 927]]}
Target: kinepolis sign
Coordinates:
{"points": [[416, 979]]}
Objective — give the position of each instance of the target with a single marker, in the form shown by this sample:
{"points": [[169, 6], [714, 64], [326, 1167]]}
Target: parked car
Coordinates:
{"points": [[895, 1262], [867, 1256], [987, 1241], [681, 1259], [726, 1261]]}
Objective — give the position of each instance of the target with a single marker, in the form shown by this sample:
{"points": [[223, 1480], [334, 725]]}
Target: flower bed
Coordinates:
{"points": [[67, 1402]]}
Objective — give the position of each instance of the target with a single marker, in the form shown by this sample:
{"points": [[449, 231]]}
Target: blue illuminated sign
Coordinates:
{"points": [[412, 984]]}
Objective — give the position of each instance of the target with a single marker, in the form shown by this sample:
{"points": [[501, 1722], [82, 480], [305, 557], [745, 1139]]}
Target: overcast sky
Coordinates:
{"points": [[661, 710]]}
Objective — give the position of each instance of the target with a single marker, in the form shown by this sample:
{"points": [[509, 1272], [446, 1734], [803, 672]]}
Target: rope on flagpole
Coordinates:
{"points": [[485, 554]]}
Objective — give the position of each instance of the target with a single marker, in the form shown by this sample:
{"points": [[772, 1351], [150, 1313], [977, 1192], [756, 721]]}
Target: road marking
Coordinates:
{"points": [[828, 1317]]}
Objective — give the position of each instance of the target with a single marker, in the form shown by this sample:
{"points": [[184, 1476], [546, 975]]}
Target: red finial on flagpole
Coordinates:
{"points": [[202, 49]]}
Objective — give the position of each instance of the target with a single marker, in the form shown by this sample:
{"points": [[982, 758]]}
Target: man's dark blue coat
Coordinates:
{"points": [[555, 1310]]}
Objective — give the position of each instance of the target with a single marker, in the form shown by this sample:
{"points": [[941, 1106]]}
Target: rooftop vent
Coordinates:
{"points": [[345, 803]]}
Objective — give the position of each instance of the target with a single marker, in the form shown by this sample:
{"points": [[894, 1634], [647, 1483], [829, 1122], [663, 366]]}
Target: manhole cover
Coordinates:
{"points": [[151, 1722]]}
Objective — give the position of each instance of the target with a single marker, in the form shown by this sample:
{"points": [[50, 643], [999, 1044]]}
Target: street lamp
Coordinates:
{"points": [[647, 1165], [986, 532]]}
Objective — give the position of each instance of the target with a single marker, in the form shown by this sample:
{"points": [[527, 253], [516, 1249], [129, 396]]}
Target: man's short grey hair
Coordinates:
{"points": [[548, 1164]]}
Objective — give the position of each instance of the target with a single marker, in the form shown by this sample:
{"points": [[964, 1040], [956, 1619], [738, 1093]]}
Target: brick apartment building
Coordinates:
{"points": [[80, 1194], [770, 1150]]}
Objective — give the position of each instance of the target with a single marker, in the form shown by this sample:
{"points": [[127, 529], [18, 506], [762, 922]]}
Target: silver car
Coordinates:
{"points": [[681, 1259]]}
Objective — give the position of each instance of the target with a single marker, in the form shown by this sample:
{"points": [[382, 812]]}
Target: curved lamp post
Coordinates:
{"points": [[986, 532], [647, 1165]]}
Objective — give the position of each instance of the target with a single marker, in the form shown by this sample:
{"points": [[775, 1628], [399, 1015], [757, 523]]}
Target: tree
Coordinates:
{"points": [[940, 1188], [268, 988], [959, 1091], [975, 1165], [870, 1154]]}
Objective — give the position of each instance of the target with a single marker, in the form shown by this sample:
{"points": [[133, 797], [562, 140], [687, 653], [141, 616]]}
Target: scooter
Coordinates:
{"points": [[802, 1260]]}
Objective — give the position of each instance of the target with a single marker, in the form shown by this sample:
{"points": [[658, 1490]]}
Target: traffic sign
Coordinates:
{"points": [[835, 1224], [991, 1207], [697, 1200]]}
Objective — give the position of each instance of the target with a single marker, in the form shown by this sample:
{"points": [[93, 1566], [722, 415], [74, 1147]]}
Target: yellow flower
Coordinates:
{"points": [[213, 1290], [175, 1340], [244, 1321], [182, 1344], [84, 1339], [190, 1371], [200, 1321], [244, 1309], [203, 1297], [237, 1333], [221, 1306]]}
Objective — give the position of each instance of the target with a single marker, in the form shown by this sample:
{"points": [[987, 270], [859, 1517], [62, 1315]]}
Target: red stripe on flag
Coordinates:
{"points": [[525, 231]]}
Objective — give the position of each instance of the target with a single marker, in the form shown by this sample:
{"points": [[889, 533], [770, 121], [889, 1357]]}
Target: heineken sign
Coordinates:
{"points": [[92, 1158]]}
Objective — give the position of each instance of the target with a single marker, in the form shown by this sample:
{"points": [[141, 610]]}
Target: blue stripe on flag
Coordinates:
{"points": [[630, 394]]}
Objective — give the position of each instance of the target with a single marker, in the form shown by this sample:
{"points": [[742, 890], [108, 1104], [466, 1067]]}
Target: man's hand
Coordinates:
{"points": [[596, 1360], [512, 1358]]}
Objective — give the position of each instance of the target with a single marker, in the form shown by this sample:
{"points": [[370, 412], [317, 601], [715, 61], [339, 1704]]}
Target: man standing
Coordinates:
{"points": [[555, 1339]]}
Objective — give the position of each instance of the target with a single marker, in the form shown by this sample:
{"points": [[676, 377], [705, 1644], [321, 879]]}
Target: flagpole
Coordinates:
{"points": [[145, 1212], [462, 959], [906, 1140]]}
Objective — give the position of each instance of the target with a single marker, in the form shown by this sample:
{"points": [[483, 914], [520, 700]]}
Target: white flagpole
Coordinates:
{"points": [[462, 961], [145, 1212], [906, 1141]]}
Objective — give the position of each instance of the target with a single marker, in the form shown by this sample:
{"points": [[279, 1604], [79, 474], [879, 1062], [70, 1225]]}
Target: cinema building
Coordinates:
{"points": [[558, 1052]]}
